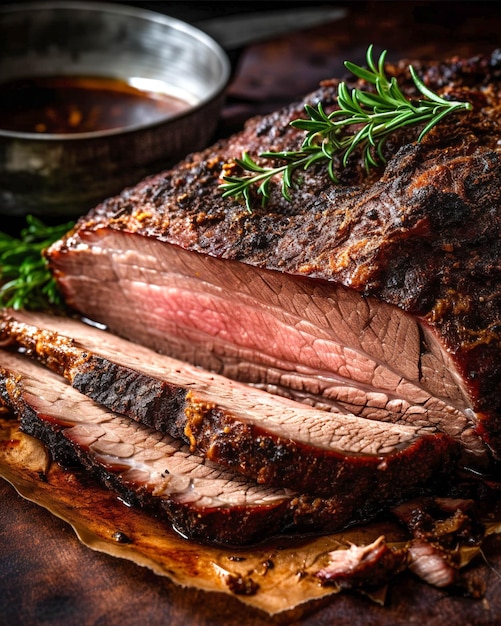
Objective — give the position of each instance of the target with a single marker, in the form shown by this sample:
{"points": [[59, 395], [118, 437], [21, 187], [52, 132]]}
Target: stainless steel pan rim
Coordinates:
{"points": [[61, 175], [185, 39]]}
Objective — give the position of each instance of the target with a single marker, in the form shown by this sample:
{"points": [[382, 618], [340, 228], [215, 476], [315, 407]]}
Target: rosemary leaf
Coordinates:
{"points": [[363, 121]]}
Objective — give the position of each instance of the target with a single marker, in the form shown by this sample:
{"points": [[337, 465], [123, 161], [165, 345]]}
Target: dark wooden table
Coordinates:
{"points": [[48, 577]]}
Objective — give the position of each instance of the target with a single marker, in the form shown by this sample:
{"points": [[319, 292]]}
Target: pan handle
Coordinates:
{"points": [[233, 32]]}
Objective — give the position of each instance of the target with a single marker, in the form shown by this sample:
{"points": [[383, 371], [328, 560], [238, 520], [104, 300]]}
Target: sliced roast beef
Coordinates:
{"points": [[152, 470], [379, 295], [273, 440]]}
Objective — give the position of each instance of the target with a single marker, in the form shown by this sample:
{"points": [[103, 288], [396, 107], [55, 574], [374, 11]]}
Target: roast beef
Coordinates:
{"points": [[158, 473], [379, 296], [272, 440]]}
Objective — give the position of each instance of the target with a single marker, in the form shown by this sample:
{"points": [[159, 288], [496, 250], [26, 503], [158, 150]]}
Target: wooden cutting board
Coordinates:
{"points": [[48, 577]]}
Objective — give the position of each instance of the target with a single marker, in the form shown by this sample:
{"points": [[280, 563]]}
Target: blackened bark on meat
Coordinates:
{"points": [[132, 393]]}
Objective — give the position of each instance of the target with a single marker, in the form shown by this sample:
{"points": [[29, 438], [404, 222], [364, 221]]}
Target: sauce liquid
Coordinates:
{"points": [[75, 104]]}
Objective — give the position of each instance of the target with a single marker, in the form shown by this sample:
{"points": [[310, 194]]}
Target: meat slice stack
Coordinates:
{"points": [[307, 469], [146, 468]]}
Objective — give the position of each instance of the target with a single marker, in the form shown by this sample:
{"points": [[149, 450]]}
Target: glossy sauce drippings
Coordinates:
{"points": [[76, 104]]}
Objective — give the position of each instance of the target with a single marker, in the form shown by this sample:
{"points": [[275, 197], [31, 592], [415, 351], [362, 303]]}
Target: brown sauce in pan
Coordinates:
{"points": [[79, 104]]}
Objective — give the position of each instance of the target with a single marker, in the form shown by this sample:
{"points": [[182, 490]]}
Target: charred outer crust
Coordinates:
{"points": [[255, 453]]}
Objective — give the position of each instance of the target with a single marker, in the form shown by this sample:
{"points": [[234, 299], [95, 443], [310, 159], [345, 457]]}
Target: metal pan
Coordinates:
{"points": [[65, 174], [59, 175]]}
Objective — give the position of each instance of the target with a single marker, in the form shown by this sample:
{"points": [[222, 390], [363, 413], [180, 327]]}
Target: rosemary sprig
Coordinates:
{"points": [[25, 279], [363, 121]]}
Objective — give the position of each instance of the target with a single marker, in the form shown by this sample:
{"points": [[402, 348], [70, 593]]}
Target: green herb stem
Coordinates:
{"points": [[363, 121]]}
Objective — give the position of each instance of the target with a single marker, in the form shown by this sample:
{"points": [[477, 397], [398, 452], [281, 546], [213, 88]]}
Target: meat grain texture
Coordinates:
{"points": [[379, 296], [375, 302], [362, 465]]}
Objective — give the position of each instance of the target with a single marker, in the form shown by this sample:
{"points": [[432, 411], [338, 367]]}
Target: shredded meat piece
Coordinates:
{"points": [[431, 564], [367, 565]]}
